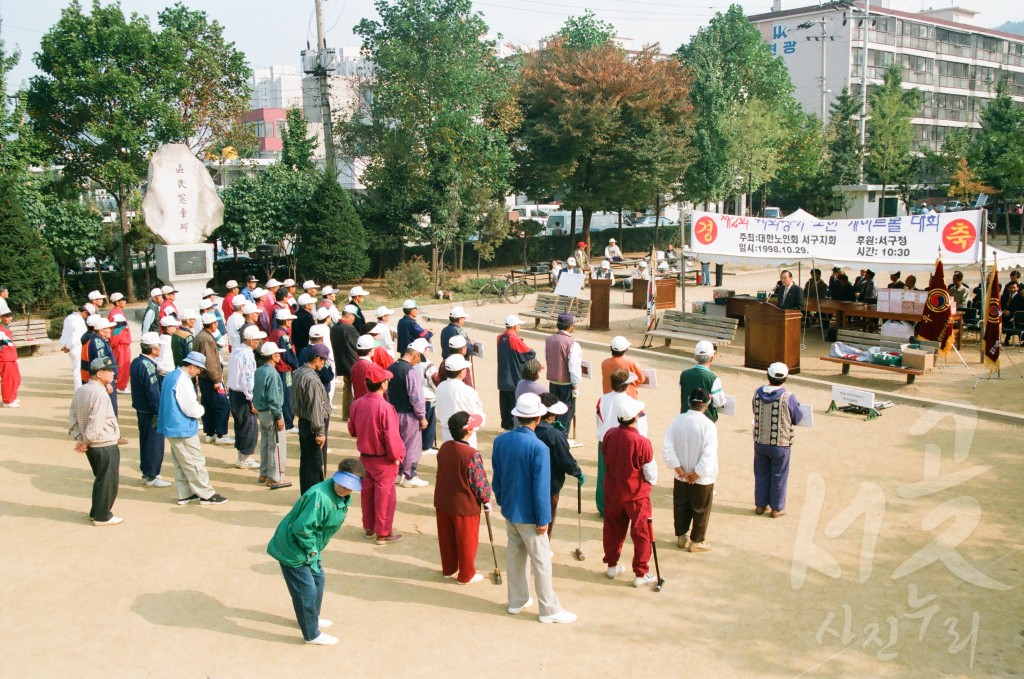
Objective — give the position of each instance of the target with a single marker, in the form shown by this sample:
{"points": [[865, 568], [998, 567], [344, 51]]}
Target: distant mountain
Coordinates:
{"points": [[1012, 27]]}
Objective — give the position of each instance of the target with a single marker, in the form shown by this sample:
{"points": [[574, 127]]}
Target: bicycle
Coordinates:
{"points": [[512, 291]]}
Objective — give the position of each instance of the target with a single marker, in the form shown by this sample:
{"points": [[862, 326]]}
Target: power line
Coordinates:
{"points": [[578, 7], [653, 16]]}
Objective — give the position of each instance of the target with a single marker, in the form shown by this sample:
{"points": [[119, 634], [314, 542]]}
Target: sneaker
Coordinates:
{"points": [[112, 521], [209, 439], [215, 499], [323, 640], [759, 510], [247, 463], [278, 485], [683, 541], [223, 440], [698, 547], [429, 451], [614, 571], [645, 579], [517, 611], [12, 404], [388, 539], [185, 500], [476, 578], [573, 443], [776, 513], [263, 478], [369, 534], [157, 482], [414, 482], [563, 617], [124, 391], [324, 622]]}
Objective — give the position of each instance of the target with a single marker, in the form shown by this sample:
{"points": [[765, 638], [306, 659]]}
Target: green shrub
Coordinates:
{"points": [[409, 279], [59, 308]]}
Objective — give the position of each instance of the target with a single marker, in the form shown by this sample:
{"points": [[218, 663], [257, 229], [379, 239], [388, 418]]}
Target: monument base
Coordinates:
{"points": [[189, 268]]}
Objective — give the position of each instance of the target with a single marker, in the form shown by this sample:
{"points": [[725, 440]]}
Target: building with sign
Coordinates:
{"points": [[942, 52]]}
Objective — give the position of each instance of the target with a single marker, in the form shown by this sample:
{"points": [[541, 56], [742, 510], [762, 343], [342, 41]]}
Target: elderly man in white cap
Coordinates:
{"points": [[385, 337], [234, 323], [640, 273], [356, 296], [690, 449], [289, 285], [268, 398], [182, 338], [458, 346], [613, 253], [212, 389], [454, 395], [304, 320], [700, 376], [151, 316], [145, 381], [97, 299], [210, 305], [563, 357], [619, 361], [270, 298], [167, 307], [227, 305], [71, 341], [405, 393], [97, 345], [251, 314], [282, 337], [310, 288], [522, 486], [319, 334], [92, 422], [603, 272], [409, 327], [120, 340], [165, 359], [313, 412], [513, 354], [241, 376], [344, 338], [264, 319], [455, 328], [178, 421], [328, 297], [776, 412]]}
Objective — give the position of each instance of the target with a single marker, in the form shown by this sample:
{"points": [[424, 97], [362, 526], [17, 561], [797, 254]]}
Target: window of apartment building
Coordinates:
{"points": [[953, 37], [915, 30], [990, 44], [884, 24], [909, 62], [951, 101], [279, 126], [1015, 48], [261, 129], [954, 69], [880, 58]]}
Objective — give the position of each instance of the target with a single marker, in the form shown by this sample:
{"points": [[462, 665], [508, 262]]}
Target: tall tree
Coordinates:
{"points": [[74, 232], [601, 127], [585, 32], [808, 181], [29, 271], [297, 143], [429, 131], [998, 147], [332, 246], [755, 135], [890, 140], [843, 138]]}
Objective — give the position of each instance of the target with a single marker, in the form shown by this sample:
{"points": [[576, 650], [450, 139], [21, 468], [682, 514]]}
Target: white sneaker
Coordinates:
{"points": [[247, 463], [324, 622], [323, 640], [564, 617], [430, 451], [645, 579], [112, 521], [223, 440], [573, 443], [614, 571], [414, 482], [124, 391], [157, 482], [12, 404], [476, 578], [517, 611], [209, 439]]}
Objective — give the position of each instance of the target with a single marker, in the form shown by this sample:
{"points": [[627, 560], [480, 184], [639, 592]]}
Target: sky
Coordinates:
{"points": [[273, 32]]}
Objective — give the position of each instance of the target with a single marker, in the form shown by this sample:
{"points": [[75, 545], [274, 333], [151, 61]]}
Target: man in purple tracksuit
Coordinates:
{"points": [[405, 393], [776, 413]]}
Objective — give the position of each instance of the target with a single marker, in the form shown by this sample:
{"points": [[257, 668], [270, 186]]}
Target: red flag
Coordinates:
{"points": [[993, 323], [935, 324]]}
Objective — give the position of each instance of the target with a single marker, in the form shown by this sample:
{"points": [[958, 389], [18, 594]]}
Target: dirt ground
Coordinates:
{"points": [[900, 554]]}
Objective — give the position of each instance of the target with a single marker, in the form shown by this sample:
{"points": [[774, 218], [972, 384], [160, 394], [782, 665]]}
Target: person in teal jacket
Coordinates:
{"points": [[300, 539]]}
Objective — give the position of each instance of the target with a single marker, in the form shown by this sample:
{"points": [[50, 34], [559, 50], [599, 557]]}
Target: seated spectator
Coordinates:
{"points": [[612, 253]]}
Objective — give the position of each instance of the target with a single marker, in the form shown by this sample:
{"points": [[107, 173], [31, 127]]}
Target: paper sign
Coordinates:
{"points": [[585, 368], [855, 397], [569, 284], [729, 408], [478, 349], [807, 415], [652, 379]]}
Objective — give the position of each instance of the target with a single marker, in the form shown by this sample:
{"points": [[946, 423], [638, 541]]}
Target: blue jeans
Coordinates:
{"points": [[705, 273], [429, 435], [564, 394], [771, 475], [306, 588]]}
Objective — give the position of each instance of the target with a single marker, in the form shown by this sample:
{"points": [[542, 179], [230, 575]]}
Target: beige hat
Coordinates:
{"points": [[269, 349]]}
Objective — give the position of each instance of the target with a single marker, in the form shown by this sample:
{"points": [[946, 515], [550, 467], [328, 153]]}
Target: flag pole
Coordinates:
{"points": [[984, 280]]}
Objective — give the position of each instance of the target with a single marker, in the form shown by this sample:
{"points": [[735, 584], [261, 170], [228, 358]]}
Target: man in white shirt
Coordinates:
{"points": [[71, 341], [606, 408], [691, 451], [454, 395], [235, 322], [241, 380]]}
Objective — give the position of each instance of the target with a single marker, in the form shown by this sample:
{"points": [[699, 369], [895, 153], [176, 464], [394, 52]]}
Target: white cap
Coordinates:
{"points": [[273, 283], [189, 315], [269, 349], [456, 362], [231, 284], [155, 291], [419, 344], [571, 261], [323, 313], [605, 264], [704, 348], [529, 405], [512, 320], [252, 332], [208, 292], [456, 342], [167, 289], [558, 408], [643, 264], [285, 315], [365, 342], [328, 290], [258, 292], [150, 338], [90, 321], [206, 304], [357, 291], [207, 319], [376, 329], [620, 343], [310, 285], [91, 308], [305, 299], [663, 265], [249, 308], [384, 311], [96, 294], [169, 322], [631, 378], [778, 370], [239, 301], [350, 309], [318, 331], [457, 312], [116, 297], [409, 304], [627, 409], [611, 240], [288, 282], [102, 324]]}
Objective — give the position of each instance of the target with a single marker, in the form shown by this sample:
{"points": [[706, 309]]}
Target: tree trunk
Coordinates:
{"points": [[126, 248], [103, 284], [657, 219], [433, 261], [620, 226], [572, 227], [588, 212], [462, 254], [881, 202]]}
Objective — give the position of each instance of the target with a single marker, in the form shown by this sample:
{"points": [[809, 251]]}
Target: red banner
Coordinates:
{"points": [[993, 323], [935, 324]]}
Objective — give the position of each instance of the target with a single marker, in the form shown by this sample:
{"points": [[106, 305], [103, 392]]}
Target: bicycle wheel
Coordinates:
{"points": [[489, 292], [515, 292]]}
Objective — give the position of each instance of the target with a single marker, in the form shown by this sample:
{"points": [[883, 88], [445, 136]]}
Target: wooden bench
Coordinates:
{"points": [[29, 335], [690, 326], [864, 340], [548, 307]]}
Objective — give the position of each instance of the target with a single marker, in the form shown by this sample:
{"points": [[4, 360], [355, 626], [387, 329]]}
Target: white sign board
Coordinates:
{"points": [[181, 205], [854, 397], [652, 379], [569, 284], [586, 370]]}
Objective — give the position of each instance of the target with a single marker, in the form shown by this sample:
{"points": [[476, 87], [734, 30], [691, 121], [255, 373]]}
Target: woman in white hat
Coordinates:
{"points": [[385, 336], [613, 253]]}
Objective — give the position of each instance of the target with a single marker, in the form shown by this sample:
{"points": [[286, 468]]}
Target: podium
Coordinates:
{"points": [[772, 334], [600, 296], [665, 293]]}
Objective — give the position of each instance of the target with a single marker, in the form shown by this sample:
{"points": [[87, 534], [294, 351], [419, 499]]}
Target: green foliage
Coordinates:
{"points": [[808, 179], [74, 232], [843, 138], [585, 32], [492, 229], [332, 246], [408, 279], [890, 134], [756, 135], [28, 268], [58, 308], [298, 144], [1000, 139]]}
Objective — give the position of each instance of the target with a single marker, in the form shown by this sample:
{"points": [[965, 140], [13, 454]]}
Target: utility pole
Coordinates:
{"points": [[824, 38], [864, 88], [323, 65]]}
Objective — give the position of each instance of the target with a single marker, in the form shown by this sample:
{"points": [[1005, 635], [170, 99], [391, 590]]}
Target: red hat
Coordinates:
{"points": [[581, 244], [474, 422], [378, 374]]}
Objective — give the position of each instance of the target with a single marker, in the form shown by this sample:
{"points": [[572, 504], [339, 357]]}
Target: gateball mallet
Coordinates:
{"points": [[578, 554], [654, 549], [496, 575]]}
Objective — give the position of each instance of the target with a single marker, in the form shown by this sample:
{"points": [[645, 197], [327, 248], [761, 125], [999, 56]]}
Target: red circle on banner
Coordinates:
{"points": [[705, 230], [959, 235], [994, 316]]}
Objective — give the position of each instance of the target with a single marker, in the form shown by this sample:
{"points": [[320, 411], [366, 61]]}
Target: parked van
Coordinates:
{"points": [[559, 222]]}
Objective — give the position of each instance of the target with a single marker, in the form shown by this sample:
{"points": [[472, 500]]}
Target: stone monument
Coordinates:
{"points": [[182, 208]]}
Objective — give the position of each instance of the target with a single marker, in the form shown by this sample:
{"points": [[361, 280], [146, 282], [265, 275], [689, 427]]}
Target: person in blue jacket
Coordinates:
{"points": [[145, 383]]}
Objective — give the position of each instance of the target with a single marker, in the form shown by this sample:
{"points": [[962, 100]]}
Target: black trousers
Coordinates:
{"points": [[105, 462], [506, 402], [312, 458], [215, 416], [247, 429], [691, 503], [564, 394]]}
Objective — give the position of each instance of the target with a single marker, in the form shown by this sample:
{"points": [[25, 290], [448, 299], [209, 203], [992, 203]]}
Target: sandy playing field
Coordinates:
{"points": [[900, 554]]}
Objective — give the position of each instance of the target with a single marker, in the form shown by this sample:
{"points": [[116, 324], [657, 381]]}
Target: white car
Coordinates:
{"points": [[649, 220]]}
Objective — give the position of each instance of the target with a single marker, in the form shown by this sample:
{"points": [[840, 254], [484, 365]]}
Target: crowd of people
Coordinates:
{"points": [[270, 363]]}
